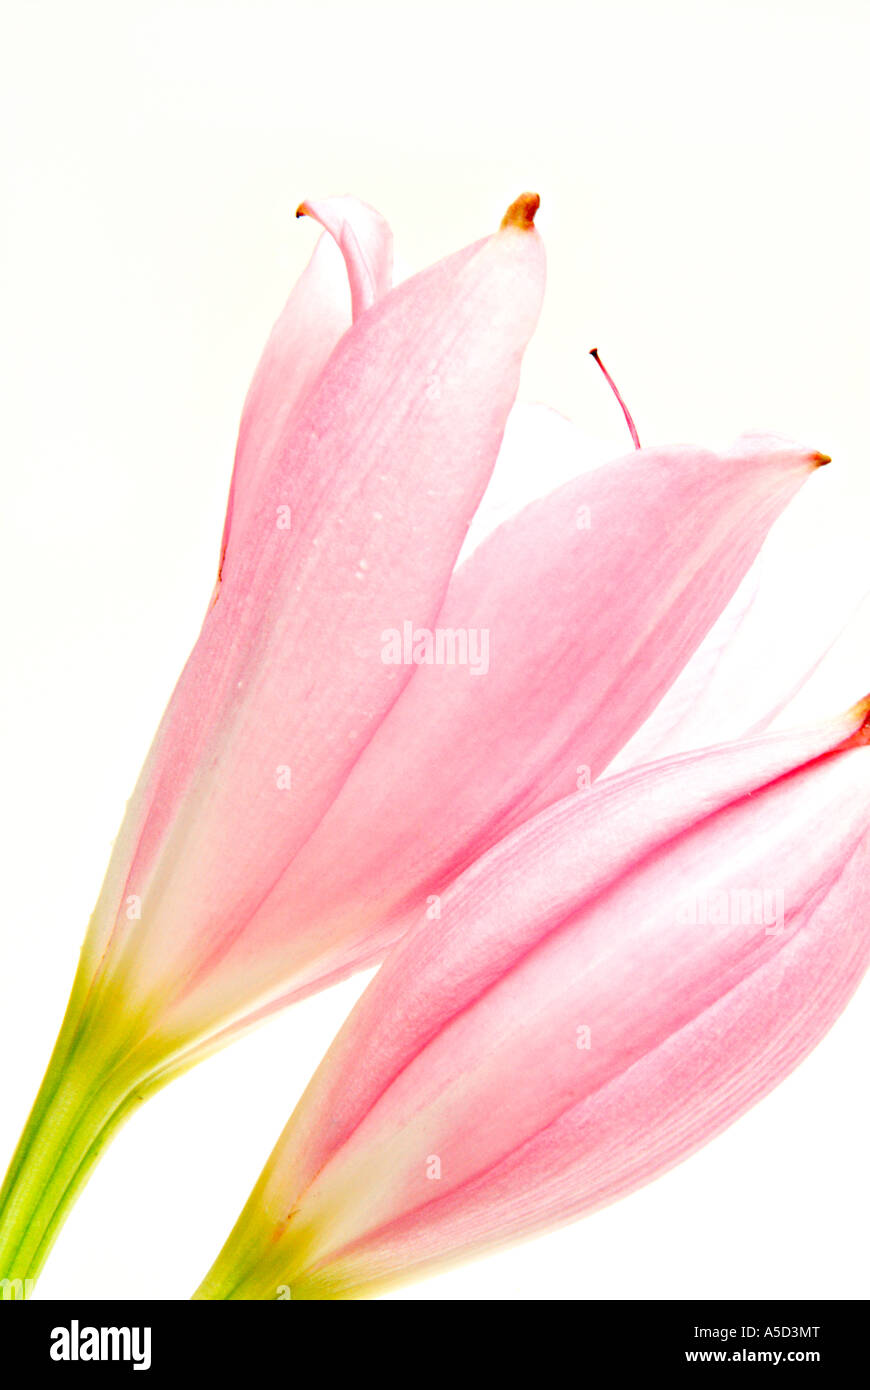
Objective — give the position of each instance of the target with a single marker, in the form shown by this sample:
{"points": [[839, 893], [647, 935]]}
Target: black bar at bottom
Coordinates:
{"points": [[478, 1339]]}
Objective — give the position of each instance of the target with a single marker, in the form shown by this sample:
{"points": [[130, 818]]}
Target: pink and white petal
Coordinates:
{"points": [[662, 734], [812, 576], [578, 906], [703, 1073], [382, 472], [316, 315], [587, 628], [528, 1127], [755, 680], [364, 238]]}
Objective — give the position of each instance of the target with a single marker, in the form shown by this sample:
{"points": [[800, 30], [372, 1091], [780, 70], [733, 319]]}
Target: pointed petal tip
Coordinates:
{"points": [[861, 714], [302, 210], [521, 213], [780, 448]]}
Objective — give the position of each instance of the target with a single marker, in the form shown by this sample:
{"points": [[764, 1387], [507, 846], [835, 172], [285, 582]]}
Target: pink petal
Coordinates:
{"points": [[587, 629], [666, 731], [793, 652], [384, 461], [465, 1046], [314, 318], [365, 241]]}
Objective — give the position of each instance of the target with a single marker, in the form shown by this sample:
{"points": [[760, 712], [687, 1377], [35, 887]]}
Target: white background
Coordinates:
{"points": [[702, 168]]}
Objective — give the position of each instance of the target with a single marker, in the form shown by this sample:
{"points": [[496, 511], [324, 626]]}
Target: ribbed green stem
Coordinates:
{"points": [[81, 1103]]}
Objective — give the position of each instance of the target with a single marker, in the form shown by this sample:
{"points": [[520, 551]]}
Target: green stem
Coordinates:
{"points": [[82, 1102], [104, 1065]]}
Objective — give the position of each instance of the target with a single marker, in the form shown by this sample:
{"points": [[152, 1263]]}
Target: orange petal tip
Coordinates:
{"points": [[861, 712], [819, 460], [521, 213]]}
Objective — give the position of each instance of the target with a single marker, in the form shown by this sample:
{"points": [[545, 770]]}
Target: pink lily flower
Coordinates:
{"points": [[313, 781], [605, 991]]}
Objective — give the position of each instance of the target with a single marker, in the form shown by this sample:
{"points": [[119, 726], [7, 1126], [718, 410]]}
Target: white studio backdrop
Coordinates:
{"points": [[707, 218]]}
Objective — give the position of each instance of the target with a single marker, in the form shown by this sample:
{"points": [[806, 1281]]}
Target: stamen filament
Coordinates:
{"points": [[612, 384]]}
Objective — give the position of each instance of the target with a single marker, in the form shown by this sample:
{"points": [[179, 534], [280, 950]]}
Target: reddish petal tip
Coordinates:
{"points": [[521, 213], [302, 209], [819, 460]]}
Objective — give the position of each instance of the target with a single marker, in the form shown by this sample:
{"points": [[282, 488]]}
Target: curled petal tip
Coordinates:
{"points": [[819, 460], [521, 213]]}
